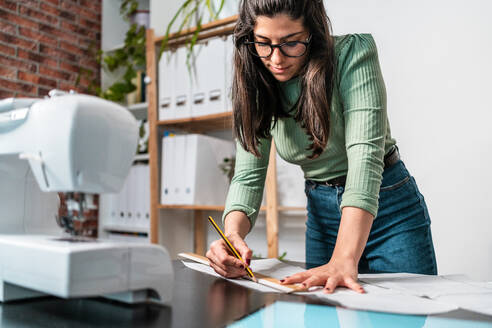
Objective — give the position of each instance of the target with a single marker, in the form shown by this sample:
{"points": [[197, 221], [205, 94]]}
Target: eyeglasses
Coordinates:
{"points": [[288, 49]]}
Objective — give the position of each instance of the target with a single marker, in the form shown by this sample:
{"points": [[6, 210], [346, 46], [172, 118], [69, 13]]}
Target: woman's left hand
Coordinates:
{"points": [[337, 272]]}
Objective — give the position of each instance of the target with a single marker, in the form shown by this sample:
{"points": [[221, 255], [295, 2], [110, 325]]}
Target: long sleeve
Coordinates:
{"points": [[246, 189], [363, 96]]}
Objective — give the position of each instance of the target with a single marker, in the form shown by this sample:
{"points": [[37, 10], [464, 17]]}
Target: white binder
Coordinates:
{"points": [[109, 209], [191, 157], [122, 204], [199, 80], [167, 75], [145, 176], [205, 183], [130, 198], [182, 86], [208, 87], [216, 81], [166, 170], [177, 184], [139, 197]]}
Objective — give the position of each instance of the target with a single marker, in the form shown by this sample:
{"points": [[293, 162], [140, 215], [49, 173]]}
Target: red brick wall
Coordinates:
{"points": [[44, 43]]}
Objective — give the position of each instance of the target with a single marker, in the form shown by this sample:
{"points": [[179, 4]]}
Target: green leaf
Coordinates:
{"points": [[210, 9], [128, 8], [222, 2], [191, 45], [171, 23], [282, 257]]}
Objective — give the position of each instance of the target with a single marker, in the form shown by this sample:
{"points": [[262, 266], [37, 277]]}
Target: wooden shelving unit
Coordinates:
{"points": [[220, 121], [198, 125], [221, 208]]}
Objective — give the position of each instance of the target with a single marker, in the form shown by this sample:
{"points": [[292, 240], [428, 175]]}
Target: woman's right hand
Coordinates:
{"points": [[224, 262]]}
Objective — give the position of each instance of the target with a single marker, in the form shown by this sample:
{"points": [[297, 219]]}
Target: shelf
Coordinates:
{"points": [[220, 27], [213, 122], [139, 110], [193, 207], [221, 208], [141, 157], [127, 229], [114, 48]]}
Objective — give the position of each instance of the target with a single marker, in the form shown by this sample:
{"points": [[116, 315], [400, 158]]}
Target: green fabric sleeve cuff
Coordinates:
{"points": [[360, 200]]}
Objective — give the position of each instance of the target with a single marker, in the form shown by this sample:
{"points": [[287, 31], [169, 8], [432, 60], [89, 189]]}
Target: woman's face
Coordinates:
{"points": [[276, 30]]}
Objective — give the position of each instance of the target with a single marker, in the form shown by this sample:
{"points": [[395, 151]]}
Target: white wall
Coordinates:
{"points": [[436, 61]]}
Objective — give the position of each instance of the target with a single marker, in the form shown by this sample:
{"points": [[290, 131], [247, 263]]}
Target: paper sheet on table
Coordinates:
{"points": [[457, 290], [269, 267], [384, 300], [376, 298], [425, 285], [480, 303]]}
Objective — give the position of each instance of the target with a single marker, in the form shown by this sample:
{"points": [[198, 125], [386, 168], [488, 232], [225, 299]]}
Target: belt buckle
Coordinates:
{"points": [[336, 182]]}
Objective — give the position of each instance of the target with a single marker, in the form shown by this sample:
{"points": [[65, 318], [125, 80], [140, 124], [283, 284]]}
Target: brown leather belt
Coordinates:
{"points": [[390, 159]]}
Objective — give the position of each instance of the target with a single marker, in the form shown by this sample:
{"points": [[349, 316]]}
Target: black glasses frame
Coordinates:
{"points": [[279, 46]]}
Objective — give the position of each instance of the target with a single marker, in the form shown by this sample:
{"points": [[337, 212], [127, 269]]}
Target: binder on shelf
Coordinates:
{"points": [[205, 183], [215, 75], [139, 197], [107, 210], [182, 86], [142, 198], [191, 172], [199, 80], [129, 219], [145, 176], [167, 164], [129, 210], [208, 86], [167, 73], [176, 182], [122, 204]]}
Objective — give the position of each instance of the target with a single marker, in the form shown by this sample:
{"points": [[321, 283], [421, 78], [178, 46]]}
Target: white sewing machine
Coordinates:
{"points": [[69, 143]]}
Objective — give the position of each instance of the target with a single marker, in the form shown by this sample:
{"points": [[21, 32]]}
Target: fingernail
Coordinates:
{"points": [[303, 285], [282, 280], [248, 261], [326, 288]]}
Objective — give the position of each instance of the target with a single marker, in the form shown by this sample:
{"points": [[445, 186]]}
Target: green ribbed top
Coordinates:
{"points": [[359, 135]]}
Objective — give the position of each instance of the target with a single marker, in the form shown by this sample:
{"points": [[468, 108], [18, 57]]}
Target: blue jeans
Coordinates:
{"points": [[400, 239]]}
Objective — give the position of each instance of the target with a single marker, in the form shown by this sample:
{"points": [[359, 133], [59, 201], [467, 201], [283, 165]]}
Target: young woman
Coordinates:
{"points": [[322, 99]]}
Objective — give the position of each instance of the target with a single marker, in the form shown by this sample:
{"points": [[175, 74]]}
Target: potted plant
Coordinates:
{"points": [[131, 57]]}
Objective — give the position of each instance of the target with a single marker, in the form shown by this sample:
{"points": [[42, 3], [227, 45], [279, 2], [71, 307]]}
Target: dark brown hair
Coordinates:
{"points": [[255, 92]]}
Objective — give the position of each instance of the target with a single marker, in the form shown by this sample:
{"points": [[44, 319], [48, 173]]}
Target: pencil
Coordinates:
{"points": [[231, 248]]}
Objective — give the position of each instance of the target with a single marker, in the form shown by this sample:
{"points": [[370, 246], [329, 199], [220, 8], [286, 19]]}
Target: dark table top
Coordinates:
{"points": [[199, 300]]}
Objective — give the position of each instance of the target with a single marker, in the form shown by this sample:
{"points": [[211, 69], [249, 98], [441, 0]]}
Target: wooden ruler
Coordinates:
{"points": [[262, 279]]}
